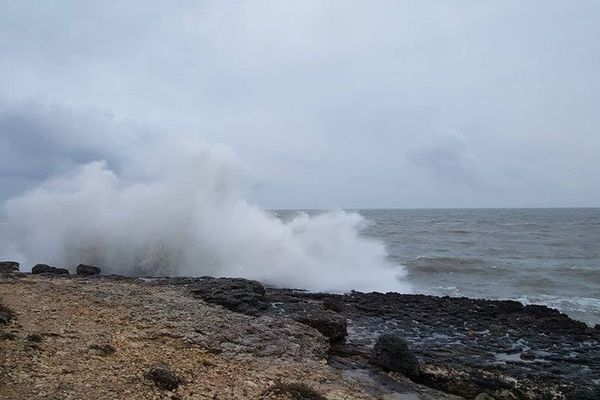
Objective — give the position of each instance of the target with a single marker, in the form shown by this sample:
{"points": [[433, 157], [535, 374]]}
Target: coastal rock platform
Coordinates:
{"points": [[112, 337]]}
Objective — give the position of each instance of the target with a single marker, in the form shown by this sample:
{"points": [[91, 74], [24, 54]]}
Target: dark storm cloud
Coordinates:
{"points": [[329, 102]]}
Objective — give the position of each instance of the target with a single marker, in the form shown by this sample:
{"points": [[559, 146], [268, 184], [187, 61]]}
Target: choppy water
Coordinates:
{"points": [[542, 256]]}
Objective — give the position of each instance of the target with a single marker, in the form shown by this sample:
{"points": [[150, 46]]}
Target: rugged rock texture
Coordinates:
{"points": [[469, 346], [87, 270], [46, 269], [235, 339], [8, 267], [241, 295]]}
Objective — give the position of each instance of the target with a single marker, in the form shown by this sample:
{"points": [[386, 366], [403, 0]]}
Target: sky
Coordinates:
{"points": [[352, 104]]}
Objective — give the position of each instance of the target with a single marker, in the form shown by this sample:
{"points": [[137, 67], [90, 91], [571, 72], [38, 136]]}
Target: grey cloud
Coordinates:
{"points": [[447, 157], [330, 103]]}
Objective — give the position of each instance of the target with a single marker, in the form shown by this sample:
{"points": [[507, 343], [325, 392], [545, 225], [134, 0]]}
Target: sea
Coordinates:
{"points": [[547, 256]]}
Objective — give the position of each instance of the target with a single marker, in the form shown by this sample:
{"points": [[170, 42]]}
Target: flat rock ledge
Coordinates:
{"points": [[66, 336]]}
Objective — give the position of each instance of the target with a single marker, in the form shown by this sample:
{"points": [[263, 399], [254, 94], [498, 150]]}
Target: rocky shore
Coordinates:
{"points": [[90, 336]]}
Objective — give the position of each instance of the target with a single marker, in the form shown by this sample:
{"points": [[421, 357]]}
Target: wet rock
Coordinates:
{"points": [[240, 295], [540, 311], [291, 391], [329, 323], [46, 269], [333, 305], [163, 378], [392, 353], [87, 270], [6, 315], [528, 355], [7, 267]]}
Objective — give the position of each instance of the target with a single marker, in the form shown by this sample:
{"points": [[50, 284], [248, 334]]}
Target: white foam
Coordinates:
{"points": [[185, 214]]}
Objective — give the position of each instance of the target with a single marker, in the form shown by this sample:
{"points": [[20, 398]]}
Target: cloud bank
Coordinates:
{"points": [[331, 103]]}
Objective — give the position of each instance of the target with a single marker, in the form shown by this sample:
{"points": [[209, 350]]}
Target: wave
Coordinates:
{"points": [[177, 208], [436, 265]]}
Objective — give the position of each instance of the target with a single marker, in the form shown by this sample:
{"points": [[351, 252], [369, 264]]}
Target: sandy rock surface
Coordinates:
{"points": [[88, 338]]}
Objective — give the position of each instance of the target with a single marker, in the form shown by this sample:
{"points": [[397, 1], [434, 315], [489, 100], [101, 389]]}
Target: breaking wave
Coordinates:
{"points": [[185, 214]]}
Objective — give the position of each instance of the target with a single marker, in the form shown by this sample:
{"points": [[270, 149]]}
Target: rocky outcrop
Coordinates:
{"points": [[87, 270], [329, 323], [468, 346], [46, 269], [7, 267], [240, 295], [392, 353], [464, 347]]}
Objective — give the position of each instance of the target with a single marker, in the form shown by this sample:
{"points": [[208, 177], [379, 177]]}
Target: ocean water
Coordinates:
{"points": [[538, 256]]}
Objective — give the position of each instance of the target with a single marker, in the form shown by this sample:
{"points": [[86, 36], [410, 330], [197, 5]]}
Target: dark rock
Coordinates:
{"points": [[6, 315], [163, 378], [329, 323], [392, 353], [102, 349], [295, 391], [7, 336], [484, 396], [540, 311], [46, 269], [7, 267], [527, 356], [87, 270], [34, 338], [333, 305], [236, 294]]}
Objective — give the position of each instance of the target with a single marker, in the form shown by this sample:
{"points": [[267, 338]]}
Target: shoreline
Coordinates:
{"points": [[465, 347]]}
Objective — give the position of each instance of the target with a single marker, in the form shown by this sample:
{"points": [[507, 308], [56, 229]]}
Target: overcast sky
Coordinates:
{"points": [[327, 103]]}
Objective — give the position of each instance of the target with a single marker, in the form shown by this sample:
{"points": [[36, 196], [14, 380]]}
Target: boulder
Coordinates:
{"points": [[236, 294], [163, 378], [87, 270], [329, 323], [7, 267], [46, 269], [6, 314], [392, 353]]}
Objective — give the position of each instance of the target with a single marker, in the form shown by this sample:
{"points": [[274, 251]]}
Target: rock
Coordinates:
{"points": [[7, 267], [540, 311], [163, 378], [528, 355], [46, 269], [7, 336], [102, 349], [484, 396], [236, 294], [333, 305], [295, 391], [34, 338], [392, 353], [329, 323], [6, 315], [87, 270]]}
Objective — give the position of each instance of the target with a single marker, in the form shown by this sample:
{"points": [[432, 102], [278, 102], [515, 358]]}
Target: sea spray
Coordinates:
{"points": [[177, 208]]}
